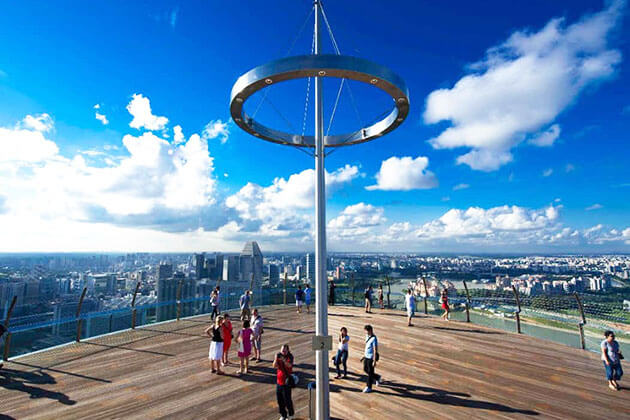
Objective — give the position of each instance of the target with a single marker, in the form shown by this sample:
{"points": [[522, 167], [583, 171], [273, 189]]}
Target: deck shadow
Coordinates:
{"points": [[469, 331], [299, 331], [63, 372], [15, 380], [119, 347]]}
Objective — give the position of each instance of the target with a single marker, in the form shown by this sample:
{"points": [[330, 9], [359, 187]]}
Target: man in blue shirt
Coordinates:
{"points": [[307, 298], [299, 299], [370, 357], [244, 304]]}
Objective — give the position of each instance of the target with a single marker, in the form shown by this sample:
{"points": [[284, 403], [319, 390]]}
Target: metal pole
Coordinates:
{"points": [[518, 312], [352, 282], [79, 320], [426, 295], [581, 324], [7, 339], [133, 305], [321, 324], [467, 302], [179, 299], [284, 291], [389, 291]]}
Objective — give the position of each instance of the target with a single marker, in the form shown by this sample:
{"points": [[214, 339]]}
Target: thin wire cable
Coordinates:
{"points": [[330, 31], [287, 53], [332, 115], [280, 114], [308, 90]]}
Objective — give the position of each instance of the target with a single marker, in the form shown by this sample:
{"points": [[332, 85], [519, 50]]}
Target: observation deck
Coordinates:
{"points": [[436, 369]]}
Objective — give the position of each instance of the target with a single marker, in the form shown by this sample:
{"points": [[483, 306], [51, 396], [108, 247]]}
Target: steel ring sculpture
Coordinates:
{"points": [[338, 66]]}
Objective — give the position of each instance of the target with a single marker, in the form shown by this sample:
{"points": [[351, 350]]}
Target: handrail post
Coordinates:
{"points": [[467, 302], [179, 298], [389, 290], [581, 324], [518, 312], [426, 295], [133, 306], [79, 320], [284, 291], [7, 339], [352, 285]]}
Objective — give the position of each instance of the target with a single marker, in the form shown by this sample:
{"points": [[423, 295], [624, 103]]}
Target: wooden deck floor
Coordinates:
{"points": [[435, 369]]}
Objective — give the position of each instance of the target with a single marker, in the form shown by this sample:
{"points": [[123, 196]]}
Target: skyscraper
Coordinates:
{"points": [[251, 262], [231, 268], [200, 269], [310, 267], [274, 274]]}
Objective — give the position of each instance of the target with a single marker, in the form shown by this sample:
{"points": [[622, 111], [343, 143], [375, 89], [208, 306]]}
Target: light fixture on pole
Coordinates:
{"points": [[319, 65]]}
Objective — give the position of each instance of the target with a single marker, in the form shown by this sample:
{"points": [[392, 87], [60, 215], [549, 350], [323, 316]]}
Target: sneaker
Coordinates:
{"points": [[377, 383], [367, 390], [283, 418], [338, 376]]}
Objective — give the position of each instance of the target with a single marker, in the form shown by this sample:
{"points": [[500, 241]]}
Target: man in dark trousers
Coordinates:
{"points": [[331, 295]]}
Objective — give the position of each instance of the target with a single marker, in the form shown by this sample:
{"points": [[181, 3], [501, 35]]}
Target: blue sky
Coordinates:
{"points": [[517, 138]]}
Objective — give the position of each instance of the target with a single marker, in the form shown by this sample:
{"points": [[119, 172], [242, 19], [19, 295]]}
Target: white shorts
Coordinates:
{"points": [[410, 313], [299, 303], [216, 350]]}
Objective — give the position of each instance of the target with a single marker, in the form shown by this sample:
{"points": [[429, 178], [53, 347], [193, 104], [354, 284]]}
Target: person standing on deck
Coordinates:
{"points": [[3, 329], [368, 299], [228, 335], [410, 305], [244, 340], [444, 302], [257, 326], [611, 356], [215, 299], [244, 303], [299, 299], [307, 298], [342, 353], [370, 357], [216, 346], [283, 363], [331, 295], [380, 296]]}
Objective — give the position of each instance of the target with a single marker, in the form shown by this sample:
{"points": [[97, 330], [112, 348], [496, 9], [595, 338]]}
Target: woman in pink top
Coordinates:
{"points": [[244, 340]]}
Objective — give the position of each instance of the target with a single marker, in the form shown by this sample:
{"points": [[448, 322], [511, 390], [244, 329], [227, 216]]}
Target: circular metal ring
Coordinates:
{"points": [[314, 66]]}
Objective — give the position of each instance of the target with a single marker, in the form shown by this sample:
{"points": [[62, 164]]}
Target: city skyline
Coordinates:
{"points": [[515, 142]]}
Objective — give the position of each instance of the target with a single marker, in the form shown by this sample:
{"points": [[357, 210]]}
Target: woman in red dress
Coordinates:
{"points": [[444, 300], [227, 338]]}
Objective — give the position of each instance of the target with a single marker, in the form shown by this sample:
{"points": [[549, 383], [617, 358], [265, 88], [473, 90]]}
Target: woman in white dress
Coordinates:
{"points": [[216, 346]]}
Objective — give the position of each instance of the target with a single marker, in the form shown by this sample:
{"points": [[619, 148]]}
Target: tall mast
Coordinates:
{"points": [[321, 322]]}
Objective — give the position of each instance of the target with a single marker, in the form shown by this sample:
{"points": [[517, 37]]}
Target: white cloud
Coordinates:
{"points": [[101, 117], [216, 128], [521, 87], [547, 172], [460, 187], [446, 198], [355, 221], [475, 222], [595, 206], [282, 209], [140, 109], [178, 135], [26, 142], [404, 174], [42, 123], [547, 137]]}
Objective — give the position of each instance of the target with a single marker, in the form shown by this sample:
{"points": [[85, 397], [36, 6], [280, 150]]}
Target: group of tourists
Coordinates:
{"points": [[303, 298], [249, 338], [369, 359]]}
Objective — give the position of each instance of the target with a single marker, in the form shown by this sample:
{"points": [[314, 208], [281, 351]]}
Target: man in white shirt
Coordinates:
{"points": [[257, 327]]}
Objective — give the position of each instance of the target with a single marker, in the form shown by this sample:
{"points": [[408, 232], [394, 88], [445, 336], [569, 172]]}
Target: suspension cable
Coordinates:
{"points": [[308, 90]]}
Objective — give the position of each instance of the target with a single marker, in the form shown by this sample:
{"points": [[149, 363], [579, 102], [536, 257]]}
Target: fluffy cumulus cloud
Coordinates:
{"points": [[521, 86], [150, 182], [283, 209], [355, 221], [216, 129], [140, 109], [404, 174]]}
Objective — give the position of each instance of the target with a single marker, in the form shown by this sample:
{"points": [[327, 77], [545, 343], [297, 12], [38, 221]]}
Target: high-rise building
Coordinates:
{"points": [[164, 271], [310, 267], [231, 268], [274, 274], [200, 266], [251, 263]]}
